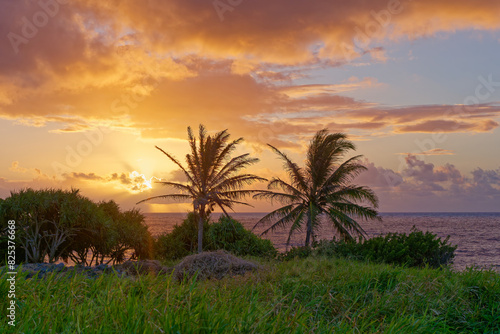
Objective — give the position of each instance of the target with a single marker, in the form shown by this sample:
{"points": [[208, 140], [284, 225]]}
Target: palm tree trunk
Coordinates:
{"points": [[309, 227], [200, 227]]}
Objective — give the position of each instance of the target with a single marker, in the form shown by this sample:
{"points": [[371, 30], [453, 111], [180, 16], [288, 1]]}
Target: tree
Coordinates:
{"points": [[212, 176], [54, 223], [322, 188]]}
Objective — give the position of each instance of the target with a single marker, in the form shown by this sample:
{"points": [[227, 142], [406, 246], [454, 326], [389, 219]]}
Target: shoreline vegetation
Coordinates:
{"points": [[218, 277], [329, 287], [314, 294]]}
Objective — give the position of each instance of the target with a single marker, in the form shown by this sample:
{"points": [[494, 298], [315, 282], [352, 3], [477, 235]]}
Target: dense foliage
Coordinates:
{"points": [[52, 224], [227, 234], [415, 249], [300, 252], [231, 235], [182, 241]]}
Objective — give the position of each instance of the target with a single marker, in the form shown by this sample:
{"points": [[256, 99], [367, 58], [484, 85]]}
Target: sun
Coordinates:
{"points": [[139, 182]]}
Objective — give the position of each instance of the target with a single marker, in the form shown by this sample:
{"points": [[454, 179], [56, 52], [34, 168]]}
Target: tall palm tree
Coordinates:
{"points": [[212, 176], [322, 188]]}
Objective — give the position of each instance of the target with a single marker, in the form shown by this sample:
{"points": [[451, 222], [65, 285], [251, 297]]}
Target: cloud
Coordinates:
{"points": [[419, 185], [426, 173], [353, 83], [154, 67], [378, 177], [422, 186], [35, 172], [133, 181], [442, 126], [304, 32], [434, 151]]}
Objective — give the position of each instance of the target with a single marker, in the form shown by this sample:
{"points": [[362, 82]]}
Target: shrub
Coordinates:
{"points": [[230, 235], [416, 249], [295, 252], [182, 241], [227, 234]]}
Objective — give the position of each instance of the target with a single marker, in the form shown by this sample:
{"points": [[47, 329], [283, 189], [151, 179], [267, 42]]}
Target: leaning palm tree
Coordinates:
{"points": [[322, 188], [212, 176]]}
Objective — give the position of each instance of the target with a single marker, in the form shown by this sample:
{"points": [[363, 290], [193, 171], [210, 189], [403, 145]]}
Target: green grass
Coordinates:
{"points": [[301, 296]]}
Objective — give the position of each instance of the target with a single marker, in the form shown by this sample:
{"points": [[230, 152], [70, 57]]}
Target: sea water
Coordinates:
{"points": [[477, 235]]}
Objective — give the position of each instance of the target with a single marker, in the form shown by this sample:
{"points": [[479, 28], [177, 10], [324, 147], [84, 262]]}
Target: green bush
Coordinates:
{"points": [[227, 234], [230, 235], [182, 241], [296, 252], [416, 249]]}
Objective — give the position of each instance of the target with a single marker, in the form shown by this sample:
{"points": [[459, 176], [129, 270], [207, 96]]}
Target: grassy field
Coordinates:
{"points": [[301, 296]]}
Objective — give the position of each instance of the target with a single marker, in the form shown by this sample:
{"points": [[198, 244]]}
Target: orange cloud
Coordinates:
{"points": [[155, 67], [450, 126]]}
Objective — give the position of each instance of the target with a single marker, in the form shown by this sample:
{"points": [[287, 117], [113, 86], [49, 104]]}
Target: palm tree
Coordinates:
{"points": [[211, 174], [322, 188]]}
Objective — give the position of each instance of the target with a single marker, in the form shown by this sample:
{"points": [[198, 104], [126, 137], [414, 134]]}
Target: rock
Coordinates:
{"points": [[208, 265]]}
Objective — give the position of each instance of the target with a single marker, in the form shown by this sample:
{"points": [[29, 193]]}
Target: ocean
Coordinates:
{"points": [[476, 234]]}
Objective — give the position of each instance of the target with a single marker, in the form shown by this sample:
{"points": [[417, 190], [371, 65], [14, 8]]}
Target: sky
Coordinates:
{"points": [[88, 88]]}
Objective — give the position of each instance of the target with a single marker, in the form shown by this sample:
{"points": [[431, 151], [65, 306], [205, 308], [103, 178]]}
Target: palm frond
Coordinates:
{"points": [[178, 186], [345, 225], [280, 212], [359, 211], [356, 193], [292, 169], [233, 166], [236, 194], [345, 172], [172, 196], [275, 196], [285, 220], [222, 156], [277, 183], [236, 182], [175, 161], [296, 226]]}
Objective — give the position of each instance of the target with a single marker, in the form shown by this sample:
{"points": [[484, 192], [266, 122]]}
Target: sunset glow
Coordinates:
{"points": [[88, 88]]}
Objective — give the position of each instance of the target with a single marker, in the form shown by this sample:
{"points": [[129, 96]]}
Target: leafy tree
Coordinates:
{"points": [[321, 188], [53, 223], [212, 176], [46, 221]]}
